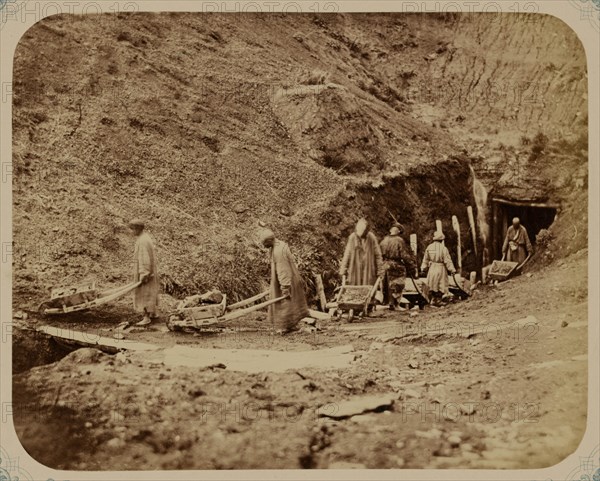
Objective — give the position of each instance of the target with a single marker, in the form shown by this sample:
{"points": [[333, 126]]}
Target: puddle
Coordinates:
{"points": [[254, 360]]}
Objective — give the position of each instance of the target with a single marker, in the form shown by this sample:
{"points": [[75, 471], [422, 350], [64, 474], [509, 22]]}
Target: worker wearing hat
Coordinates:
{"points": [[397, 260], [438, 263], [145, 296], [286, 282]]}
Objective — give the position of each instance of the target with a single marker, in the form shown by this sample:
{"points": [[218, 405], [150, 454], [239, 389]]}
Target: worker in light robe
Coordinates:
{"points": [[285, 282], [517, 245], [145, 296], [438, 263], [362, 263], [397, 260]]}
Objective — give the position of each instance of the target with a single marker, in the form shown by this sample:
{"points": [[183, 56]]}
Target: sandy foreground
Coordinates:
{"points": [[497, 381]]}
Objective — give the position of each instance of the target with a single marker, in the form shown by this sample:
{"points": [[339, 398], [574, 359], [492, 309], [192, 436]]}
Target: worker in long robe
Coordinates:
{"points": [[145, 270], [438, 263], [517, 245], [285, 281], [362, 263], [397, 260]]}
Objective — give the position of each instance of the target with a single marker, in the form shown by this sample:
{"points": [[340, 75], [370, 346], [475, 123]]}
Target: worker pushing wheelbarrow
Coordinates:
{"points": [[516, 252], [355, 300], [362, 271]]}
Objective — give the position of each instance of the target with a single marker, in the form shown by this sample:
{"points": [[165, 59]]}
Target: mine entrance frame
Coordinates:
{"points": [[534, 216]]}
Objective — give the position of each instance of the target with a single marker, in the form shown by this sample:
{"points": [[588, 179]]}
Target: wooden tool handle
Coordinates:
{"points": [[372, 293], [242, 312], [248, 301], [520, 266]]}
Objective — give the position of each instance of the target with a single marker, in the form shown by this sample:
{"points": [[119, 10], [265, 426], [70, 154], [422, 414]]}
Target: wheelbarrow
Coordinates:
{"points": [[196, 317], [503, 270], [354, 299], [81, 297], [416, 292]]}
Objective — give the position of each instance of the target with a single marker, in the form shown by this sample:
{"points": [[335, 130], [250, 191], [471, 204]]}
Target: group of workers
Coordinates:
{"points": [[364, 261]]}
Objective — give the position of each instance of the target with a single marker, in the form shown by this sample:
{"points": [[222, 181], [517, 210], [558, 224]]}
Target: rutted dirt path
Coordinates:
{"points": [[451, 394]]}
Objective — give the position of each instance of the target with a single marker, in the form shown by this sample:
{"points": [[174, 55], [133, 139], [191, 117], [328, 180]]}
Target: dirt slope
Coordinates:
{"points": [[206, 124]]}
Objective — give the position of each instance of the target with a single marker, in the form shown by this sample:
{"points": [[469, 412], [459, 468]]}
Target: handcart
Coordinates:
{"points": [[195, 313], [503, 270], [81, 297], [416, 292], [355, 299]]}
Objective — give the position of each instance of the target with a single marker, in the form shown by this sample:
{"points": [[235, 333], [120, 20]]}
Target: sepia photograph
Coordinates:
{"points": [[299, 240]]}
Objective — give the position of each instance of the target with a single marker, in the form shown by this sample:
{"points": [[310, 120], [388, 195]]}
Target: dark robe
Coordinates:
{"points": [[286, 314], [362, 262], [517, 245], [397, 261], [145, 297]]}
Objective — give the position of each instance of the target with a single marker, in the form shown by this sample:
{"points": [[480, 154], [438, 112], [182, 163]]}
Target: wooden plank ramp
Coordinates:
{"points": [[94, 339]]}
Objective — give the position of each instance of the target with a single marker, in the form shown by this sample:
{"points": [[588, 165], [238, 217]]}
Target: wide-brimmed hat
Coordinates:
{"points": [[136, 223], [265, 234], [398, 226], [438, 236]]}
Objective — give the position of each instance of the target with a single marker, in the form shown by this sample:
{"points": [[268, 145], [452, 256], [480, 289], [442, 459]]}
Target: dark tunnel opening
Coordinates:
{"points": [[534, 217]]}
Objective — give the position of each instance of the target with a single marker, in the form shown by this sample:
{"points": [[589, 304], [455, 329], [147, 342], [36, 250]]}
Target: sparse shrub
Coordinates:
{"points": [[216, 36], [544, 238], [538, 146], [525, 140], [136, 123], [124, 37], [372, 89], [315, 77], [39, 117], [112, 69]]}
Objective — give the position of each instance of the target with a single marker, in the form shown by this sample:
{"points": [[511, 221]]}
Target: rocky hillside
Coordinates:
{"points": [[205, 125]]}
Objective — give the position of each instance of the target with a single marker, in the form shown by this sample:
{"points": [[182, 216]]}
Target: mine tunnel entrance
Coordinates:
{"points": [[534, 217]]}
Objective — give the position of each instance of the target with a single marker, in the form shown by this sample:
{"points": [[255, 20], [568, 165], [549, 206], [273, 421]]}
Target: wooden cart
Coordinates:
{"points": [[355, 299], [502, 270], [416, 292], [188, 316], [81, 297]]}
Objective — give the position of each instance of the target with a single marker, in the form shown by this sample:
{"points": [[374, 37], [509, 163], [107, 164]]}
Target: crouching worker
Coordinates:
{"points": [[285, 281], [397, 260], [437, 259], [145, 297]]}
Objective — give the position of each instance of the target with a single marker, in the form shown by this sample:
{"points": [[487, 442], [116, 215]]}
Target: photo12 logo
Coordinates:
{"points": [[28, 11], [10, 468], [589, 10]]}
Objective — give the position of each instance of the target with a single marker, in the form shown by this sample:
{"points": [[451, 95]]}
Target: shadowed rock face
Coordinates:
{"points": [[206, 125], [509, 74]]}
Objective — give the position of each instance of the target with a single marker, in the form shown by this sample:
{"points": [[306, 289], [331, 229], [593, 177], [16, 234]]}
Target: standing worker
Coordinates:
{"points": [[517, 245], [362, 261], [397, 259], [145, 297], [285, 282], [438, 262]]}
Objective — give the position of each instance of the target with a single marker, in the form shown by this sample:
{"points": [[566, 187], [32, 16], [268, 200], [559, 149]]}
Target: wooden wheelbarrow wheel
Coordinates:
{"points": [[171, 325], [42, 308]]}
